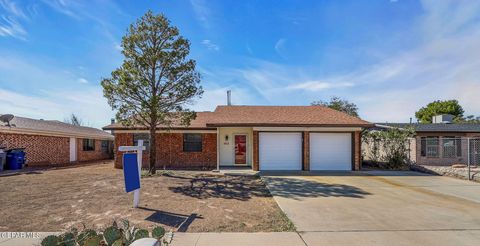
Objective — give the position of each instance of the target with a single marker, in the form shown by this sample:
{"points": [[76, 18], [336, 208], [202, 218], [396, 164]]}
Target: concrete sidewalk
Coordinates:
{"points": [[237, 239]]}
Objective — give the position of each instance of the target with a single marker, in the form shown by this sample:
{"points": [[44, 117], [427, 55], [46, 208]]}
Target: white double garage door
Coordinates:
{"points": [[283, 151]]}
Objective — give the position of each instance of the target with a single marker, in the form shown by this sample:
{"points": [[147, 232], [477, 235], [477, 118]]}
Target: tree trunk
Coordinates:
{"points": [[153, 150]]}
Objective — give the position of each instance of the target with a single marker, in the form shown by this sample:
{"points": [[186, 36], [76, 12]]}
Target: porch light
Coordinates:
{"points": [[226, 137]]}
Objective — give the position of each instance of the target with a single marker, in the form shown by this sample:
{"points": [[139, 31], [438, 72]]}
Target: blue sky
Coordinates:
{"points": [[388, 57]]}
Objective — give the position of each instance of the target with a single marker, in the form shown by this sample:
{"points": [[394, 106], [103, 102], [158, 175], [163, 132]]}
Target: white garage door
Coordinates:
{"points": [[280, 151], [330, 151]]}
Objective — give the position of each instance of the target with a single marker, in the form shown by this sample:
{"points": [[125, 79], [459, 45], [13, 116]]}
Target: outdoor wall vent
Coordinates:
{"points": [[443, 118]]}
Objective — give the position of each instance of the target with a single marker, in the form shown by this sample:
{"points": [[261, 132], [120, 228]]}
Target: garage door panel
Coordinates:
{"points": [[330, 151], [280, 151]]}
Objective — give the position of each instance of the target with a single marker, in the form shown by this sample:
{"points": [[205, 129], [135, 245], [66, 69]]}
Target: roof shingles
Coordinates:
{"points": [[265, 116], [54, 127]]}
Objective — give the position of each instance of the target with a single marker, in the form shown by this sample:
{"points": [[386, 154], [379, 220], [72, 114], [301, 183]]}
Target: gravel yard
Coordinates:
{"points": [[57, 199]]}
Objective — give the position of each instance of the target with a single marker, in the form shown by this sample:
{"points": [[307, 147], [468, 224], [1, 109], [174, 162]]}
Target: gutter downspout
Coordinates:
{"points": [[218, 150]]}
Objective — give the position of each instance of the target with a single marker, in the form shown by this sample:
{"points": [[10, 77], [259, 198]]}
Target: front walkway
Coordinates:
{"points": [[237, 239], [380, 208]]}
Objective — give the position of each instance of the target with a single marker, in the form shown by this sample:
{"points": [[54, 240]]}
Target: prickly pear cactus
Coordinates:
{"points": [[111, 234], [158, 232], [141, 233], [84, 235], [67, 239], [93, 241], [51, 240]]}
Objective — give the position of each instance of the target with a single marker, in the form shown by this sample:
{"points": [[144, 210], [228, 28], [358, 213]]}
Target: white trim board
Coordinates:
{"points": [[307, 129], [16, 130], [165, 131]]}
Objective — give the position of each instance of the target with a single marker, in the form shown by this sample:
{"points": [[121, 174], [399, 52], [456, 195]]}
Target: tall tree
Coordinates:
{"points": [[425, 114], [156, 81], [74, 120], [339, 104]]}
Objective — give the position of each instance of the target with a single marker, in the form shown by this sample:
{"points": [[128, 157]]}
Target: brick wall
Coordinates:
{"points": [[40, 150], [255, 165], [93, 155], [440, 160], [306, 151], [170, 151], [357, 150]]}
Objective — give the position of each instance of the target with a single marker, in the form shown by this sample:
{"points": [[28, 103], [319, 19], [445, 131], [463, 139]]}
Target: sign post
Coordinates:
{"points": [[132, 167]]}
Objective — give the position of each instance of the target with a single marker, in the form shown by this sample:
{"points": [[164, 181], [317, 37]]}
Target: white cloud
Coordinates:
{"points": [[89, 104], [12, 8], [214, 96], [82, 81], [318, 86], [280, 47], [210, 45], [202, 12], [10, 20]]}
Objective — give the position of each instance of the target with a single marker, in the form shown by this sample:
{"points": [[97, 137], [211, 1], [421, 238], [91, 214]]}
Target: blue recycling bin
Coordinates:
{"points": [[15, 159]]}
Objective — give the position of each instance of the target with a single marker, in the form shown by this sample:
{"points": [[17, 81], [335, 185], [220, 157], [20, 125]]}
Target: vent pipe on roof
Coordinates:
{"points": [[112, 121], [229, 97]]}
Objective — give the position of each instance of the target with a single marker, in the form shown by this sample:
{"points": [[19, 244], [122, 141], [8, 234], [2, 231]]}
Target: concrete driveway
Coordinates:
{"points": [[379, 208]]}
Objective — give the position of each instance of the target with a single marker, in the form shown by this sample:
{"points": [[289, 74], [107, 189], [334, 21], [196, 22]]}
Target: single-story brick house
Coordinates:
{"points": [[48, 142], [443, 143], [260, 137]]}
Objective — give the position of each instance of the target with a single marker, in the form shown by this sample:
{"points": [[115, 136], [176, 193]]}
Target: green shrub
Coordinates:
{"points": [[113, 235]]}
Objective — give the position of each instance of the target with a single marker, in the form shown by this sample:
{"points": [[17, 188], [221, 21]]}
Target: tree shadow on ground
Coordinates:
{"points": [[179, 221], [227, 187], [301, 188]]}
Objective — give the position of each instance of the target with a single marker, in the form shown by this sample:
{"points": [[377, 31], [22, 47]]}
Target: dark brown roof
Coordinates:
{"points": [[283, 116], [308, 116], [52, 127], [200, 122]]}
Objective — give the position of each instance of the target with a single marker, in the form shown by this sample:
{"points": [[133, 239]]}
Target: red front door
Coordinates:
{"points": [[240, 149]]}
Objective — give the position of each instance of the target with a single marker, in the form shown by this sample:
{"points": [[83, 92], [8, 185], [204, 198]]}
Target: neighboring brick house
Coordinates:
{"points": [[443, 143], [48, 142], [261, 137]]}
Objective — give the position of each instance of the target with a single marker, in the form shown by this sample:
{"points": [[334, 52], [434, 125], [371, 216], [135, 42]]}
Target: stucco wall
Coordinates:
{"points": [[227, 147]]}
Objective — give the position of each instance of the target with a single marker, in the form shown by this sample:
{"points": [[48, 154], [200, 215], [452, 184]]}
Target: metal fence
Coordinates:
{"points": [[473, 154], [432, 151]]}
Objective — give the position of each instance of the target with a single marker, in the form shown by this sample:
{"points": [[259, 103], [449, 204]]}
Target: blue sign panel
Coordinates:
{"points": [[130, 172]]}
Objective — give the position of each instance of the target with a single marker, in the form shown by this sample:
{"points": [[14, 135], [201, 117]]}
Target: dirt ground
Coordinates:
{"points": [[57, 199]]}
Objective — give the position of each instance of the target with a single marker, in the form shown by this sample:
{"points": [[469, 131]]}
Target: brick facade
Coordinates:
{"points": [[49, 150], [306, 151], [170, 152], [441, 160], [255, 165], [357, 150], [93, 155], [40, 150]]}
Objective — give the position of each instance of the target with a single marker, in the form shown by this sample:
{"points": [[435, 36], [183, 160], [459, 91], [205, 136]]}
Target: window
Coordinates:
{"points": [[452, 147], [88, 144], [142, 136], [429, 146], [192, 142], [105, 146]]}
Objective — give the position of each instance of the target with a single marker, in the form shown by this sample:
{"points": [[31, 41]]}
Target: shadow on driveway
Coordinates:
{"points": [[297, 188]]}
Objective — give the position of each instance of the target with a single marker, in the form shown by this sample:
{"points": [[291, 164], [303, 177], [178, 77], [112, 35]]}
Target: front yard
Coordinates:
{"points": [[56, 199]]}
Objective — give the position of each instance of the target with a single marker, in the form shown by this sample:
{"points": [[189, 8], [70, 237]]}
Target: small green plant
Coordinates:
{"points": [[113, 235]]}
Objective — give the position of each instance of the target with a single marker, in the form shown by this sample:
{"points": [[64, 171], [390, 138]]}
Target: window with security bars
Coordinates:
{"points": [[429, 146], [452, 147]]}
